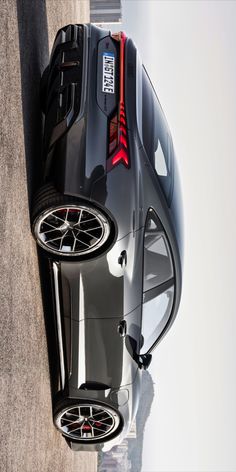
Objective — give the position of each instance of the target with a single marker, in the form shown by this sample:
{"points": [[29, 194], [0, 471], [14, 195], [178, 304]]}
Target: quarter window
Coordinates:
{"points": [[160, 161]]}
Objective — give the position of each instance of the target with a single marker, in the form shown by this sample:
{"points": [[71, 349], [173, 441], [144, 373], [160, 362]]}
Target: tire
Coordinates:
{"points": [[65, 227], [43, 89], [85, 415]]}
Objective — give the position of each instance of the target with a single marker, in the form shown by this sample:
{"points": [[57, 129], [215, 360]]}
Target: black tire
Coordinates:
{"points": [[48, 196], [51, 208], [43, 89], [71, 408]]}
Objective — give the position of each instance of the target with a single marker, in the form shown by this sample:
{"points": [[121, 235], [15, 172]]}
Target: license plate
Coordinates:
{"points": [[108, 78]]}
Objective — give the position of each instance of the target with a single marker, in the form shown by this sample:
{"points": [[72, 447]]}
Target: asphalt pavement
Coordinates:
{"points": [[28, 440]]}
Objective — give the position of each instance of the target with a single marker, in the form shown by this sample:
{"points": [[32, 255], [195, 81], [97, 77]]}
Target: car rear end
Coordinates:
{"points": [[90, 113]]}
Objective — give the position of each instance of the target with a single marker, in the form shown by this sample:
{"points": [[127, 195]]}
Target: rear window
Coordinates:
{"points": [[156, 137]]}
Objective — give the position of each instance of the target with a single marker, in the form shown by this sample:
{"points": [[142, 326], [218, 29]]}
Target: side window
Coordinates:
{"points": [[158, 267], [156, 137], [158, 282], [156, 313]]}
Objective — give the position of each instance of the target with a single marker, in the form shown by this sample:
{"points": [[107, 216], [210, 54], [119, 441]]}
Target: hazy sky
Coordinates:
{"points": [[189, 51]]}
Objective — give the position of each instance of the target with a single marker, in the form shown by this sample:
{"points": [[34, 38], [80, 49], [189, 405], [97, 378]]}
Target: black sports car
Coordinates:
{"points": [[107, 217]]}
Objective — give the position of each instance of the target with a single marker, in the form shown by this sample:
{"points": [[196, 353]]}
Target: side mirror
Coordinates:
{"points": [[144, 361]]}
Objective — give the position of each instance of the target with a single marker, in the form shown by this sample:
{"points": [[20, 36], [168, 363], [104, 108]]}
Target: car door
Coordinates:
{"points": [[158, 283]]}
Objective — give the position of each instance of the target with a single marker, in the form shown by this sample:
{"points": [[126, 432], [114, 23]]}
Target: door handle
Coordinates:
{"points": [[122, 328], [122, 259]]}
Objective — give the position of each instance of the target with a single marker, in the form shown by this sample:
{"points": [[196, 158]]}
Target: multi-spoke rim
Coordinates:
{"points": [[71, 230], [87, 422]]}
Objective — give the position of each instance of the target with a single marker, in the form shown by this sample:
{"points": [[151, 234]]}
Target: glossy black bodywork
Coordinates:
{"points": [[101, 298]]}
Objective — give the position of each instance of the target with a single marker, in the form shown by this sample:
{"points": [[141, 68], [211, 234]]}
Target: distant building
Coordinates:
{"points": [[127, 456], [132, 432], [105, 11], [116, 460]]}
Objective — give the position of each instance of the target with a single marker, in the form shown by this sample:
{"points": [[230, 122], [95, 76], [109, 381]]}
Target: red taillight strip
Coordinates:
{"points": [[123, 130], [123, 140], [120, 154]]}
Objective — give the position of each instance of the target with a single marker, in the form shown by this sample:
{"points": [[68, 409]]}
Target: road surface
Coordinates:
{"points": [[28, 440]]}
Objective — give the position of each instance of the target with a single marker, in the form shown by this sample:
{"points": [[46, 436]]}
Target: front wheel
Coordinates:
{"points": [[88, 422]]}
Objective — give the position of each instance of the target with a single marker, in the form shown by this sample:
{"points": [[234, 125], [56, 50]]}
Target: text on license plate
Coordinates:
{"points": [[108, 76]]}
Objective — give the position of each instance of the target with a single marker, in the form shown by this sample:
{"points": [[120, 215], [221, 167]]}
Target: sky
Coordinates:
{"points": [[188, 48]]}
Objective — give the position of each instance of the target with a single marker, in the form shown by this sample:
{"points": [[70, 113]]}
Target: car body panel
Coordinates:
{"points": [[95, 296], [94, 358]]}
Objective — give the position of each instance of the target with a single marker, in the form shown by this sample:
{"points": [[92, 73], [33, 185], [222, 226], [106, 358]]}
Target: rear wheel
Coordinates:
{"points": [[63, 226], [88, 422]]}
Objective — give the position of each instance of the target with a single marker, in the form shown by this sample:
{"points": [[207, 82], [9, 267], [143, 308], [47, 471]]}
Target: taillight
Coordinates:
{"points": [[118, 141], [113, 135]]}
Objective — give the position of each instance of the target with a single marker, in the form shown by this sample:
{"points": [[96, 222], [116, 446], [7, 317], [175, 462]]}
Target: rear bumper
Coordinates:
{"points": [[67, 68]]}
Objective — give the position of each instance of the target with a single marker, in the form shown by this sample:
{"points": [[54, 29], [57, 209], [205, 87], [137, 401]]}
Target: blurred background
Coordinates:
{"points": [[188, 423]]}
